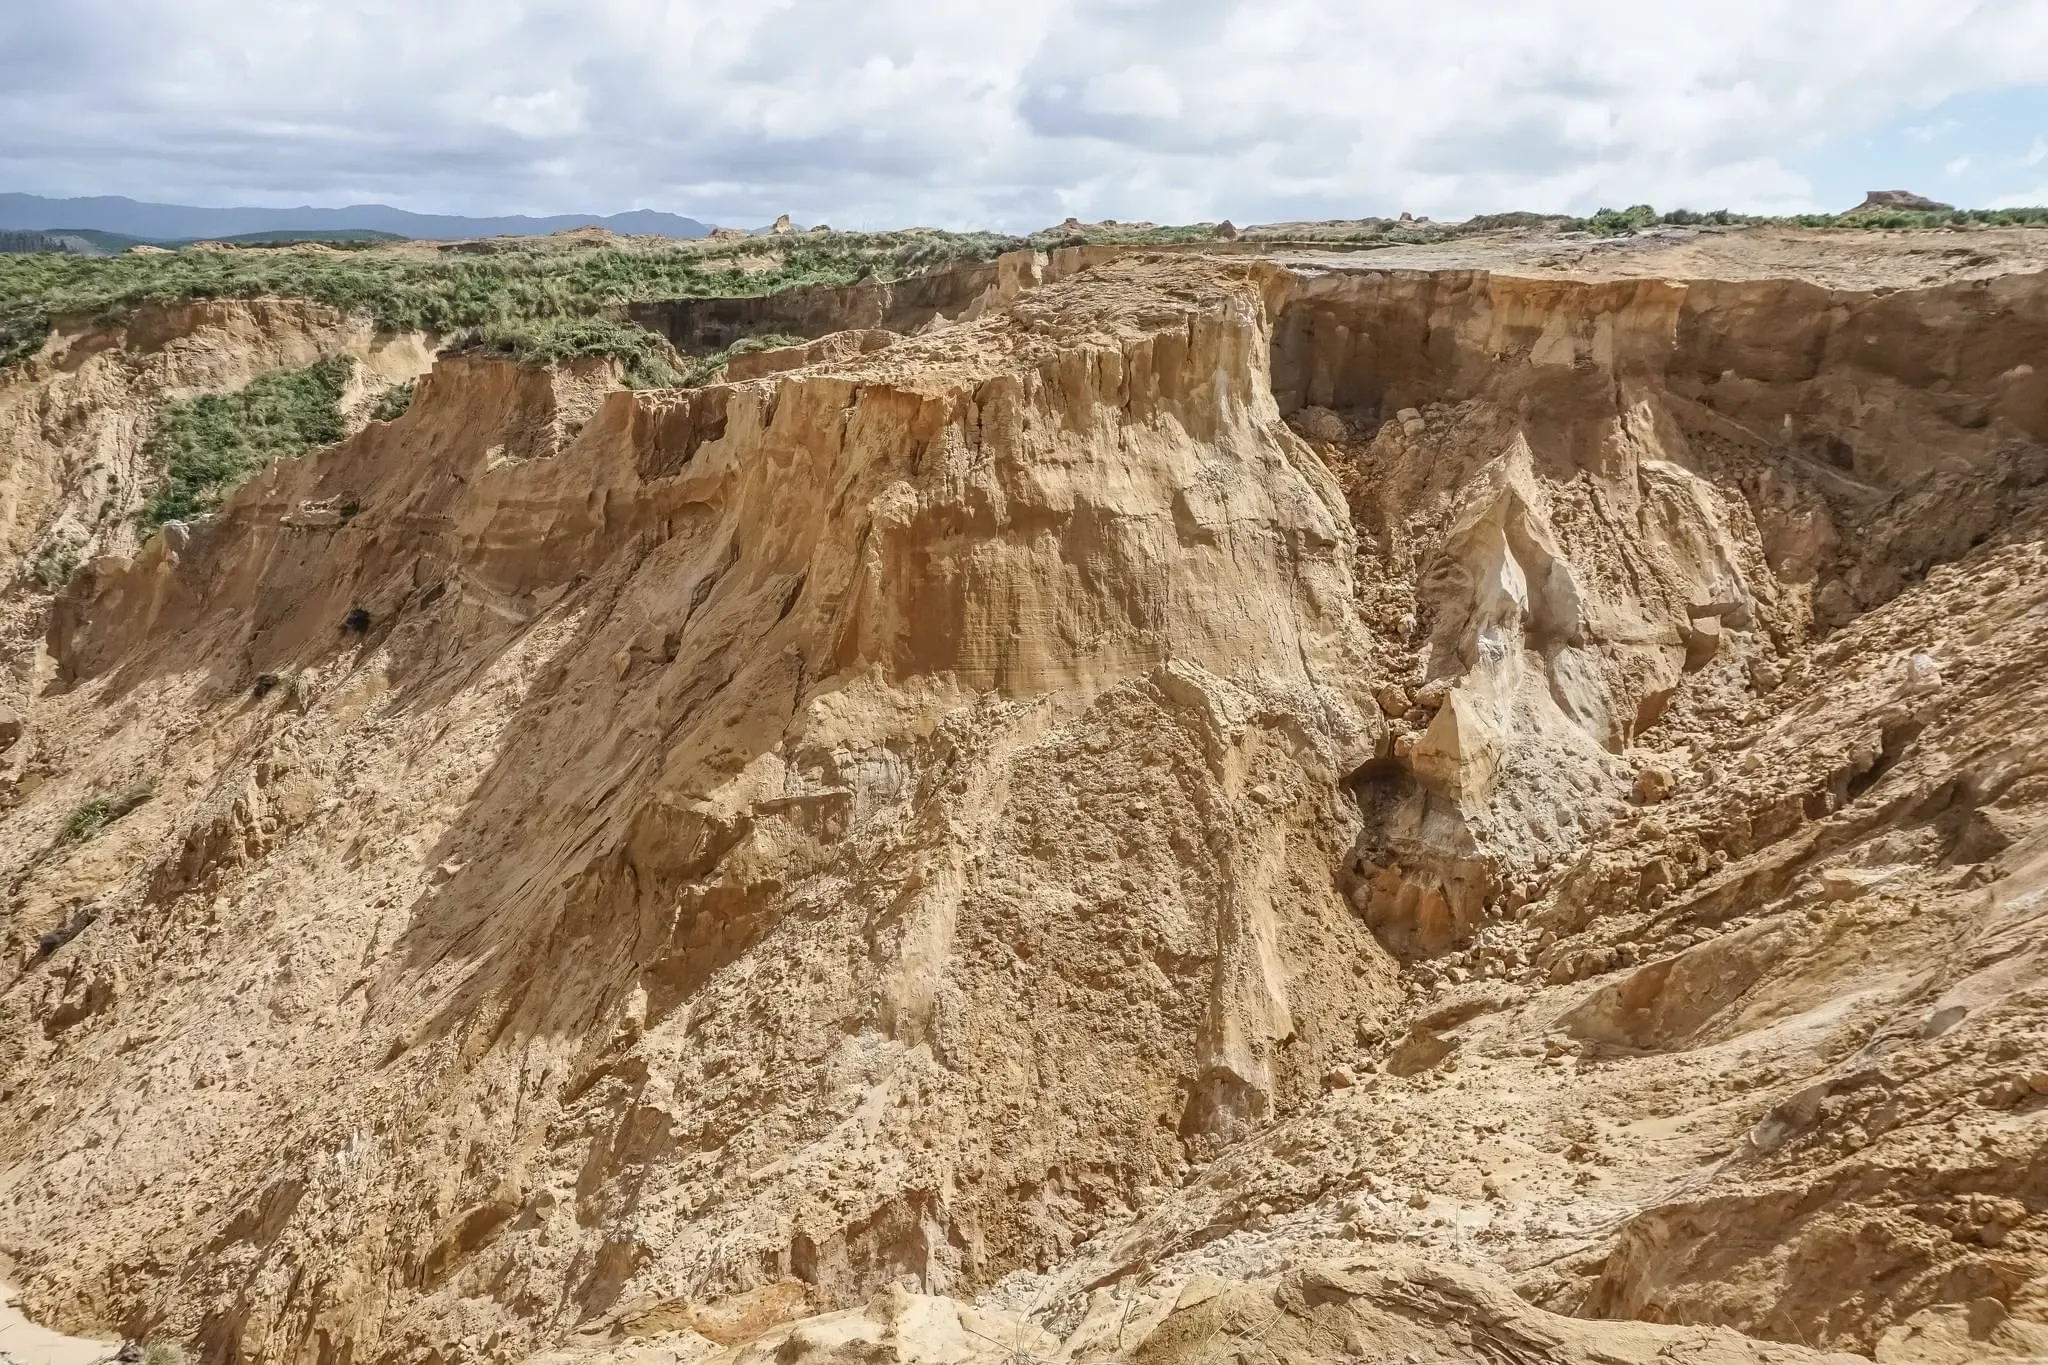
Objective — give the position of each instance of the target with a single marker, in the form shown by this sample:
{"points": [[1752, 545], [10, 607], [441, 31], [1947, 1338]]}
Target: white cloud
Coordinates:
{"points": [[540, 115], [1954, 169], [970, 112], [1933, 132], [2025, 199], [1143, 91]]}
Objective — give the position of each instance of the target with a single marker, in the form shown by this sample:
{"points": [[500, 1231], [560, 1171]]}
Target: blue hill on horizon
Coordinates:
{"points": [[184, 222]]}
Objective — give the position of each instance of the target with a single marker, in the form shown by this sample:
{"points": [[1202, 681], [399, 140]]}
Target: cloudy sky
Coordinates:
{"points": [[873, 113]]}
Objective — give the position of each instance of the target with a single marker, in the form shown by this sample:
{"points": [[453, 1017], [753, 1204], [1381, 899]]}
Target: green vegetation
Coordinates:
{"points": [[1609, 222], [29, 241], [393, 402], [55, 565], [90, 817], [647, 360], [1121, 234], [323, 236], [208, 445], [88, 241], [515, 297], [1614, 223], [704, 369]]}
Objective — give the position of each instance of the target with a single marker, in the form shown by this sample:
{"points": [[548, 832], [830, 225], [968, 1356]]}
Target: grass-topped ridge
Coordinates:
{"points": [[518, 297], [646, 359], [1608, 222]]}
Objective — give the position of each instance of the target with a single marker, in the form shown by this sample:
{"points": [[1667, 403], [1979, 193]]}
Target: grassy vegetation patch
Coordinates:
{"points": [[29, 241], [704, 369], [57, 562], [209, 445], [646, 358], [1609, 222], [517, 296], [393, 402], [90, 817]]}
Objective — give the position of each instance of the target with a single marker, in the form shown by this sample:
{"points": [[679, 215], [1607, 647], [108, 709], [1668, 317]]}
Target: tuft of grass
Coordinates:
{"points": [[55, 565], [208, 446], [163, 1353], [88, 818], [393, 402]]}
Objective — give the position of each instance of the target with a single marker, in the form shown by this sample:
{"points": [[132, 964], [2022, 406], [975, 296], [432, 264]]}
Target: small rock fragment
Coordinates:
{"points": [[1847, 883], [1923, 675]]}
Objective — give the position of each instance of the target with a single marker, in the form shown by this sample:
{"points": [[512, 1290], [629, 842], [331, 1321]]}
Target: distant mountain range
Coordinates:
{"points": [[184, 223]]}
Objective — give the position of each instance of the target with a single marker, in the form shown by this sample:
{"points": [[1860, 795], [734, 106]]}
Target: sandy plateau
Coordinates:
{"points": [[1485, 803]]}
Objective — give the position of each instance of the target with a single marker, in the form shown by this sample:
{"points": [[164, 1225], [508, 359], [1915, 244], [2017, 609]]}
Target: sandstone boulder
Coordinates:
{"points": [[1653, 785], [1320, 424]]}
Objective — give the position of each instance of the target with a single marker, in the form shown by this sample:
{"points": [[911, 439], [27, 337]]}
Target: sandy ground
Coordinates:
{"points": [[1833, 260], [24, 1343]]}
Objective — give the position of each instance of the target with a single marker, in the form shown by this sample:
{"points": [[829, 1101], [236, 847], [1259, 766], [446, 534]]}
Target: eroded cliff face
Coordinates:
{"points": [[1620, 486], [735, 939], [75, 419], [1138, 792]]}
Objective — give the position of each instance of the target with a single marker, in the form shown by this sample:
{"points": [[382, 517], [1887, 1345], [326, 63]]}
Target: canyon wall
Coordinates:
{"points": [[1192, 768]]}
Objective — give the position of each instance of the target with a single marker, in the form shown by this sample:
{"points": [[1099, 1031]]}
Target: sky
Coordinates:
{"points": [[1013, 116]]}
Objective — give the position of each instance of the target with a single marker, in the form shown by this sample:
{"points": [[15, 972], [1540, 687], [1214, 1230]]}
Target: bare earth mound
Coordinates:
{"points": [[1387, 806]]}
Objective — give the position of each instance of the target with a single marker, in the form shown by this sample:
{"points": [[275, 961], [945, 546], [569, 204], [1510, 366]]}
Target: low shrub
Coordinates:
{"points": [[57, 562], [393, 402]]}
